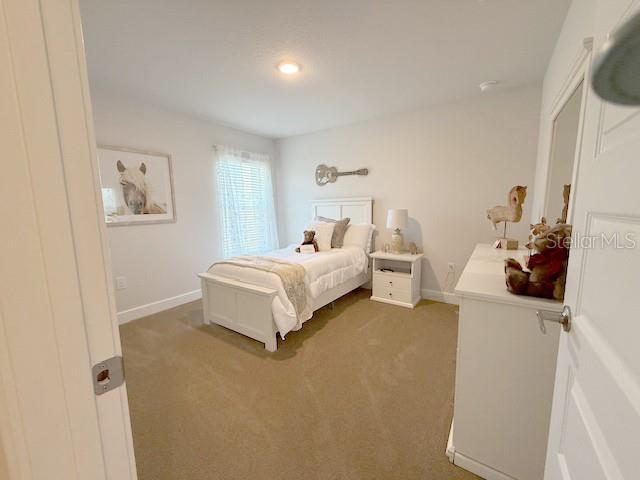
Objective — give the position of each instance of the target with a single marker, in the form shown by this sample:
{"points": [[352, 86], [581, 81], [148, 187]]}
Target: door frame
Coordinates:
{"points": [[578, 73], [57, 306]]}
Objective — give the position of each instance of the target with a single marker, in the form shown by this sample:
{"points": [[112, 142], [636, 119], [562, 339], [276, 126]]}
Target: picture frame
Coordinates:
{"points": [[137, 186]]}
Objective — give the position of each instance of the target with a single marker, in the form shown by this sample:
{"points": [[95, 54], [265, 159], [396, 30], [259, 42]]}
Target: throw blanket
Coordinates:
{"points": [[291, 274]]}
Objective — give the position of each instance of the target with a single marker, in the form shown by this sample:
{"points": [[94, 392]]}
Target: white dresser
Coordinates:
{"points": [[396, 278], [504, 374]]}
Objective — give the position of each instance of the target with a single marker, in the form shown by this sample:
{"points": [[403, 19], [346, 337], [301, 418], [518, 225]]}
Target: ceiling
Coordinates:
{"points": [[361, 59]]}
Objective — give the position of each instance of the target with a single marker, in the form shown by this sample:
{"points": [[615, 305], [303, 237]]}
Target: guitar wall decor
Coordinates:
{"points": [[326, 174]]}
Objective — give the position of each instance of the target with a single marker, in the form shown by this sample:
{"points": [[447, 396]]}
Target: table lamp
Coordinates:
{"points": [[397, 220]]}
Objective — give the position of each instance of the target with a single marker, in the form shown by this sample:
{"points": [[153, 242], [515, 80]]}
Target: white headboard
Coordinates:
{"points": [[358, 209]]}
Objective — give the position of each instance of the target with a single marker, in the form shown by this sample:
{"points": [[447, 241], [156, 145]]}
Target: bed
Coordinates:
{"points": [[253, 302]]}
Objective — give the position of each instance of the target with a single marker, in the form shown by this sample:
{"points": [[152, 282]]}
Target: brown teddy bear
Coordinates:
{"points": [[547, 268], [535, 230], [309, 240]]}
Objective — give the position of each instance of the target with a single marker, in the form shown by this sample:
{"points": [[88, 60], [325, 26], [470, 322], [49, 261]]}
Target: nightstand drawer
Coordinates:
{"points": [[391, 293], [393, 281]]}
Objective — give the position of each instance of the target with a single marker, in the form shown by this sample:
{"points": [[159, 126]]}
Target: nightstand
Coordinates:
{"points": [[396, 278]]}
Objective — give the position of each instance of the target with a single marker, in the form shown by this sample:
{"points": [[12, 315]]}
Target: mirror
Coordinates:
{"points": [[561, 161]]}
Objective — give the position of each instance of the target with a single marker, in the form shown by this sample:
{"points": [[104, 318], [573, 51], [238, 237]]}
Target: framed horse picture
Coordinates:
{"points": [[137, 186]]}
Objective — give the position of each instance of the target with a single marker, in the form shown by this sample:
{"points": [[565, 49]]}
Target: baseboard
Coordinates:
{"points": [[167, 303], [450, 452], [480, 469], [440, 296], [155, 307]]}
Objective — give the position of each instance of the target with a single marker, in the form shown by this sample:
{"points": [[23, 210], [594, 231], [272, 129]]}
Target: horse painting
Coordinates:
{"points": [[136, 191]]}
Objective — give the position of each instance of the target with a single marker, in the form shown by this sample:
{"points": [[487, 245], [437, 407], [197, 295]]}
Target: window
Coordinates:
{"points": [[246, 204]]}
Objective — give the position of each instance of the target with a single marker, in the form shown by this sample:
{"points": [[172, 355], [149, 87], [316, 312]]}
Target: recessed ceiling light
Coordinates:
{"points": [[289, 68], [488, 85]]}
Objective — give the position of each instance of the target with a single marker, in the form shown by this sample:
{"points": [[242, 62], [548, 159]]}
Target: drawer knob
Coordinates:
{"points": [[390, 282]]}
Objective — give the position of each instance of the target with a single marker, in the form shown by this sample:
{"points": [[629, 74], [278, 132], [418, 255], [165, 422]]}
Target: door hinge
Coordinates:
{"points": [[107, 375]]}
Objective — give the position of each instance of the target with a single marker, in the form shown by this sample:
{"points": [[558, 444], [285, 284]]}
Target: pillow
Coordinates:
{"points": [[337, 239], [360, 235], [324, 232]]}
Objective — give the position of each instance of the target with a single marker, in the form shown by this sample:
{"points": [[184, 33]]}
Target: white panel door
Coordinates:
{"points": [[57, 313], [595, 421]]}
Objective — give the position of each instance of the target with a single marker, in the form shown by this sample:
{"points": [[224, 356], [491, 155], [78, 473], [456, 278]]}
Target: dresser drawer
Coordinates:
{"points": [[391, 293], [393, 281]]}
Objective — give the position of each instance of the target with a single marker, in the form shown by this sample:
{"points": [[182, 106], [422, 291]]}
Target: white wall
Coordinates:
{"points": [[161, 261], [578, 25], [447, 165]]}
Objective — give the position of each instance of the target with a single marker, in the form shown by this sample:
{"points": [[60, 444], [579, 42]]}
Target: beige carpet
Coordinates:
{"points": [[363, 391]]}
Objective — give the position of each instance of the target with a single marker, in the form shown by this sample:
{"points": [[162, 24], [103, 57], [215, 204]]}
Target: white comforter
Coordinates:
{"points": [[324, 270]]}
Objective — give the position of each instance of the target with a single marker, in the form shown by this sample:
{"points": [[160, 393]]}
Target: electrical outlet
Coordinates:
{"points": [[121, 283], [450, 279]]}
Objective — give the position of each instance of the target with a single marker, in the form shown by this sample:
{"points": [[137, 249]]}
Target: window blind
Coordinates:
{"points": [[246, 202]]}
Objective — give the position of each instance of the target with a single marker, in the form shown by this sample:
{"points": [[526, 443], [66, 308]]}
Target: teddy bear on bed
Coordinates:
{"points": [[547, 268], [309, 240]]}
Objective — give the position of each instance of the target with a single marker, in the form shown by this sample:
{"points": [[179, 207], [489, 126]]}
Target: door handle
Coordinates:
{"points": [[563, 318]]}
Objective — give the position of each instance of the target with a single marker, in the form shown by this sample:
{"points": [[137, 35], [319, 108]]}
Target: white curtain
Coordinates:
{"points": [[246, 206]]}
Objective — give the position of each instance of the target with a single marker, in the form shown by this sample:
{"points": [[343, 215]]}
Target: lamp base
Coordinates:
{"points": [[396, 242]]}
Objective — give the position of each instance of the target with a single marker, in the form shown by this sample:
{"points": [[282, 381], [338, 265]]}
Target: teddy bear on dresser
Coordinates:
{"points": [[547, 268], [309, 240]]}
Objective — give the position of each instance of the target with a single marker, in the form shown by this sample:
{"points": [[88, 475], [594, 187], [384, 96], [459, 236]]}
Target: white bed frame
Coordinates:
{"points": [[246, 308]]}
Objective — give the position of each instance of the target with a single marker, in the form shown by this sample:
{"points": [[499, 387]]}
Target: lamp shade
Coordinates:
{"points": [[397, 218]]}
